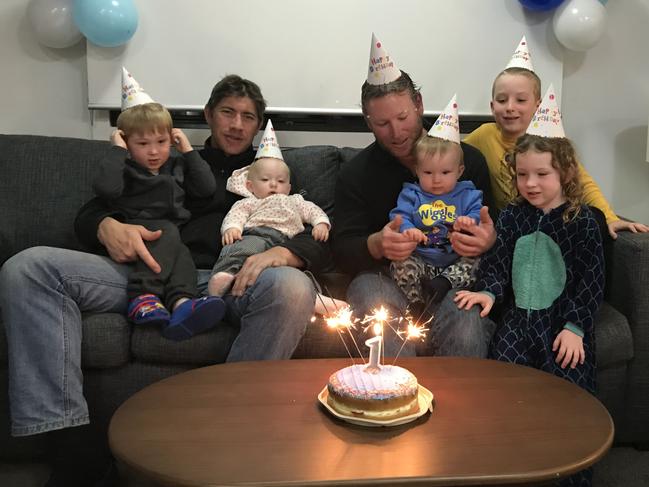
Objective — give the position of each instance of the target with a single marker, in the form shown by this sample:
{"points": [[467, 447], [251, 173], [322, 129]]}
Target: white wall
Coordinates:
{"points": [[605, 107], [43, 91], [605, 99]]}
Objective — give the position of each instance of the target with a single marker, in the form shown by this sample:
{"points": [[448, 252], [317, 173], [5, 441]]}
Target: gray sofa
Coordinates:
{"points": [[46, 179]]}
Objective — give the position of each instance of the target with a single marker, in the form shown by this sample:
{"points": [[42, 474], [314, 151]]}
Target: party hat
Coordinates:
{"points": [[382, 68], [268, 145], [521, 57], [132, 92], [547, 119], [447, 125]]}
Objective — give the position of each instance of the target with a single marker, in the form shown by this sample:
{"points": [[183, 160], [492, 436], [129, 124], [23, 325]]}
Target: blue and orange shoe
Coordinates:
{"points": [[147, 309], [194, 316]]}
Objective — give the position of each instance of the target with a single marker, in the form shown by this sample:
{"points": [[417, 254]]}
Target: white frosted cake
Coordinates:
{"points": [[379, 393]]}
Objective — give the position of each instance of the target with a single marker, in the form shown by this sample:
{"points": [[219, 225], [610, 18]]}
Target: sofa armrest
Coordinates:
{"points": [[628, 291]]}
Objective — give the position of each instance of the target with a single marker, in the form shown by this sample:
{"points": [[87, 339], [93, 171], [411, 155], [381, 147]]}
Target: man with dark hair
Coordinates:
{"points": [[271, 299], [365, 241]]}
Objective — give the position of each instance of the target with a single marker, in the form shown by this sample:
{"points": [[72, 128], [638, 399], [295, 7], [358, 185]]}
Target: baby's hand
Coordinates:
{"points": [[464, 222], [416, 235], [117, 138], [230, 236], [180, 141], [466, 300], [570, 348], [320, 232]]}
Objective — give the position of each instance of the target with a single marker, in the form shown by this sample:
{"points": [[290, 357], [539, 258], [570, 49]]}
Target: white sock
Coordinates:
{"points": [[220, 283]]}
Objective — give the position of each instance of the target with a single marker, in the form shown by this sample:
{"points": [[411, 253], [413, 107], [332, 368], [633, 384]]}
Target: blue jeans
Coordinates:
{"points": [[453, 332], [51, 287]]}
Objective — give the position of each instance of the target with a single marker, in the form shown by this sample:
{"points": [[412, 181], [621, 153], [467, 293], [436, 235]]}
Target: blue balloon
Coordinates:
{"points": [[106, 23], [540, 4]]}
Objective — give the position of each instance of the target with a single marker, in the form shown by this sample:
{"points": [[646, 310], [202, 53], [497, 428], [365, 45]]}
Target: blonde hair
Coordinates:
{"points": [[254, 168], [531, 75], [563, 160], [427, 145], [150, 117]]}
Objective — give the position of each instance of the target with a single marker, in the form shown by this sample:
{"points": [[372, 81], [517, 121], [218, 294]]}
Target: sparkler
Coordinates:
{"points": [[342, 319]]}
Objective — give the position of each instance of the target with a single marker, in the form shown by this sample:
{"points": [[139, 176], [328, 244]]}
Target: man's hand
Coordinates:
{"points": [[180, 141], [320, 232], [252, 267], [466, 300], [125, 243], [390, 243], [117, 138], [570, 348], [473, 240], [230, 236]]}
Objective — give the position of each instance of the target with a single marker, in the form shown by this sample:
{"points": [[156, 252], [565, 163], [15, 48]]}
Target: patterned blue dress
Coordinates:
{"points": [[551, 275]]}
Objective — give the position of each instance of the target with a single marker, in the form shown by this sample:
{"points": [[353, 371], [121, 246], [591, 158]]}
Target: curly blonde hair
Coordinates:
{"points": [[563, 160]]}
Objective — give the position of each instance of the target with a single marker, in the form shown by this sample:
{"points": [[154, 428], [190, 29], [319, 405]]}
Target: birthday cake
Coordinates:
{"points": [[378, 393]]}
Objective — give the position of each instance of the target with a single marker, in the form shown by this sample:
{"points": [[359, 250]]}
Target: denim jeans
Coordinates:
{"points": [[453, 332], [43, 292]]}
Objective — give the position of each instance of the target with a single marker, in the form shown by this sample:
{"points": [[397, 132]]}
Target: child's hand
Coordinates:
{"points": [[466, 300], [416, 235], [570, 348], [230, 236], [117, 138], [464, 222], [320, 232], [180, 141], [617, 225]]}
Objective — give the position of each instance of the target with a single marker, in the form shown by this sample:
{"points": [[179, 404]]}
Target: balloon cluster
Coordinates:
{"points": [[63, 23], [578, 24]]}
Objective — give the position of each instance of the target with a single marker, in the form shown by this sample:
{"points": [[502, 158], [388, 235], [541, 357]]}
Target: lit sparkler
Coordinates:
{"points": [[342, 319]]}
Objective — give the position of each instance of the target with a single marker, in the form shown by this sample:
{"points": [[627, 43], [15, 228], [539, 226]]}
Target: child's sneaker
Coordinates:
{"points": [[148, 309], [194, 316]]}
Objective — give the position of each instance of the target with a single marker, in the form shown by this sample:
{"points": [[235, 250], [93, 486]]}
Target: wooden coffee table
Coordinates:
{"points": [[260, 423]]}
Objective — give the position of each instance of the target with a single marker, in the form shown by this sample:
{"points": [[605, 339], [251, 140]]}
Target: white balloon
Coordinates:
{"points": [[579, 24], [52, 22]]}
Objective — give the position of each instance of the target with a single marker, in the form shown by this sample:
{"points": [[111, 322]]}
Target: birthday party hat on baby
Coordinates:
{"points": [[382, 68], [447, 125], [521, 57], [132, 92], [268, 145], [547, 119]]}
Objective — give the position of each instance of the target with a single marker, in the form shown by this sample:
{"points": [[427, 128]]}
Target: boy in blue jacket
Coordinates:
{"points": [[427, 211]]}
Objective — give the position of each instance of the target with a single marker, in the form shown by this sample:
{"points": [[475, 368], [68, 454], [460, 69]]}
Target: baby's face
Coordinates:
{"points": [[149, 149], [271, 176], [438, 173]]}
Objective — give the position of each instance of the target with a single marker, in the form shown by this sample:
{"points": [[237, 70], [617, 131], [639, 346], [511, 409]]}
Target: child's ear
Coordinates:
{"points": [[249, 185], [460, 170]]}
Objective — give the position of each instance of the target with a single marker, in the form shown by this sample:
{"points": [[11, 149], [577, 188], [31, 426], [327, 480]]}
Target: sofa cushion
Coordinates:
{"points": [[613, 340], [57, 170], [106, 339], [313, 170], [212, 347]]}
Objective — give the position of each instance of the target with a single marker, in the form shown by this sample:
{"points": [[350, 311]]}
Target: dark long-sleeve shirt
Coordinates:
{"points": [[367, 189], [132, 190]]}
